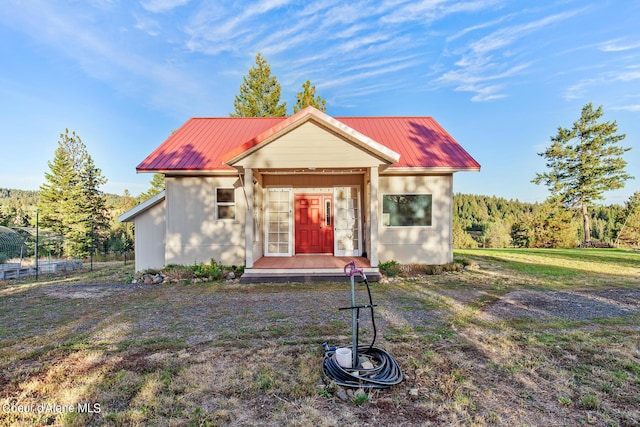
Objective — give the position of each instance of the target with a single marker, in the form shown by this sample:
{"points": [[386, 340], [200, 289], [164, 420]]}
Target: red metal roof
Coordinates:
{"points": [[206, 143]]}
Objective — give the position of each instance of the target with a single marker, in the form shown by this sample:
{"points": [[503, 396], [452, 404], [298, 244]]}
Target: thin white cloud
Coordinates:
{"points": [[351, 78], [607, 78], [289, 37], [578, 90], [215, 28], [481, 82], [507, 36], [430, 10], [618, 46], [627, 76], [315, 7], [414, 11], [492, 58], [161, 6], [148, 25], [633, 108], [477, 27]]}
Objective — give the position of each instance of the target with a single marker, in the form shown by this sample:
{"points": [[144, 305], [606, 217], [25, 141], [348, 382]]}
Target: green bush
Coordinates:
{"points": [[390, 268], [212, 270]]}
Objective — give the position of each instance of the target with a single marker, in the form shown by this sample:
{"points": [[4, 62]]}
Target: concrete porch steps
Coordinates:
{"points": [[306, 268], [259, 275]]}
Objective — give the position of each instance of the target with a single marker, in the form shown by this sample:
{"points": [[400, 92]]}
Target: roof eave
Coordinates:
{"points": [[407, 170], [142, 207], [192, 172]]}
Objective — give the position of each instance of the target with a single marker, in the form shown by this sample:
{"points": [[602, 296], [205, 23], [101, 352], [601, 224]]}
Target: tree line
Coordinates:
{"points": [[495, 222]]}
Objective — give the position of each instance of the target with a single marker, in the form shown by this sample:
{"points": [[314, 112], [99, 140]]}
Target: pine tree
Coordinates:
{"points": [[71, 203], [552, 226], [157, 185], [307, 98], [584, 162], [259, 93]]}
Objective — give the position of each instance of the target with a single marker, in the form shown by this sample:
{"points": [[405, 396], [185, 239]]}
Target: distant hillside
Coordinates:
{"points": [[9, 193], [18, 207]]}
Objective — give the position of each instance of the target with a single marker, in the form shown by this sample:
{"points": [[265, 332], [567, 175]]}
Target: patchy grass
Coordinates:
{"points": [[562, 267], [229, 354]]}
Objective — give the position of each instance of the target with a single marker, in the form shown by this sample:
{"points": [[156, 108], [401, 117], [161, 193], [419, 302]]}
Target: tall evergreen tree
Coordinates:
{"points": [[259, 93], [307, 98], [71, 202], [584, 162]]}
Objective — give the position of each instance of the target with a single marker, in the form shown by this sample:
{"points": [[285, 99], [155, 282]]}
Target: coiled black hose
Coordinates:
{"points": [[385, 372]]}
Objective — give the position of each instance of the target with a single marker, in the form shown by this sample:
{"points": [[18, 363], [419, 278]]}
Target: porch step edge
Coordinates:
{"points": [[267, 275]]}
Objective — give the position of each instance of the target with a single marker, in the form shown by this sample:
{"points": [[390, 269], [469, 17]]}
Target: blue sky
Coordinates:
{"points": [[499, 75]]}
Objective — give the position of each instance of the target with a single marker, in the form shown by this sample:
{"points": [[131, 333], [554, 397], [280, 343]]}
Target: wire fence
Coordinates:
{"points": [[30, 251]]}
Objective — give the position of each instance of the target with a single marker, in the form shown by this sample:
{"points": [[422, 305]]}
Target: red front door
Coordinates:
{"points": [[314, 223]]}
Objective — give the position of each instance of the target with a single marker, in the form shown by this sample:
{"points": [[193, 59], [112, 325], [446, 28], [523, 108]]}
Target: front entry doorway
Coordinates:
{"points": [[313, 223]]}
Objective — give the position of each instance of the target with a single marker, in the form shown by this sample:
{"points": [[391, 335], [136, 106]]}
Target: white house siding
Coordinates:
{"points": [[194, 234], [430, 245], [309, 146], [150, 227]]}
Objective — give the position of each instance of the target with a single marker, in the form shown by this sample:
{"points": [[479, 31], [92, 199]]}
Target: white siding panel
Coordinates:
{"points": [[194, 235], [150, 228], [425, 245], [310, 146]]}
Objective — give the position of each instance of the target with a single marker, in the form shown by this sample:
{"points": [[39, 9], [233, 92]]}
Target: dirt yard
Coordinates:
{"points": [[476, 348]]}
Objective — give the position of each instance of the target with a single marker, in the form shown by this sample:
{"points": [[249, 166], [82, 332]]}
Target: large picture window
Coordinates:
{"points": [[225, 203], [406, 210]]}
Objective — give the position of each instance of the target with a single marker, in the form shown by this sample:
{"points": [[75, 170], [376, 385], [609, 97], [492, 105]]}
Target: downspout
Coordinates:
{"points": [[246, 199]]}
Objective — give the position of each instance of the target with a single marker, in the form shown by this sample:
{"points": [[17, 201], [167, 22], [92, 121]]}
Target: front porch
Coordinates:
{"points": [[306, 268]]}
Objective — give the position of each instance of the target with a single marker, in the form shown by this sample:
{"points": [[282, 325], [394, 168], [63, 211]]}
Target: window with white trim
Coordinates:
{"points": [[406, 210], [225, 203], [279, 222]]}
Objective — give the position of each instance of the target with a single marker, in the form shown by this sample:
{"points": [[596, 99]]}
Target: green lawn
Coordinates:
{"points": [[565, 267]]}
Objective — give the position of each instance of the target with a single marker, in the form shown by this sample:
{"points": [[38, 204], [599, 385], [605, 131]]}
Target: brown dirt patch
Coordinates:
{"points": [[578, 305]]}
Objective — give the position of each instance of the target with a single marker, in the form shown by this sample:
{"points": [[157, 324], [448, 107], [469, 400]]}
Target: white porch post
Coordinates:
{"points": [[373, 215], [248, 218]]}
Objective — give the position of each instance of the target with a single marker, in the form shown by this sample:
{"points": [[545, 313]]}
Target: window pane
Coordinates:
{"points": [[406, 210], [226, 212], [225, 195]]}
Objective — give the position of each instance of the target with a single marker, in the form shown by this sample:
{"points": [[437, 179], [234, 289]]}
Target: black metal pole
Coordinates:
{"points": [[37, 241], [91, 248]]}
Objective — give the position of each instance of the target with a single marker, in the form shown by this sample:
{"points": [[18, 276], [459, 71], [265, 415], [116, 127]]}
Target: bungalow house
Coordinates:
{"points": [[303, 193]]}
